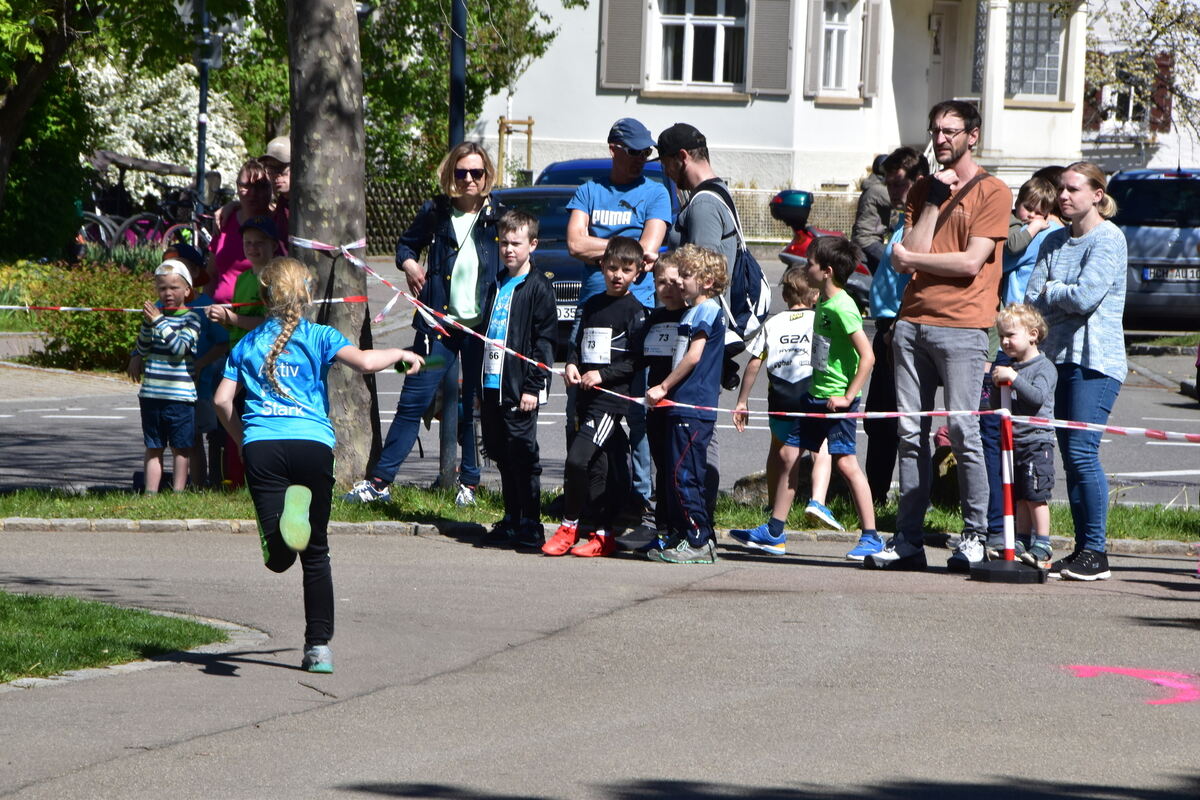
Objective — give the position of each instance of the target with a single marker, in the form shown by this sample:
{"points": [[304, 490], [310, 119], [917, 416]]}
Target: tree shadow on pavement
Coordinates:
{"points": [[1002, 788]]}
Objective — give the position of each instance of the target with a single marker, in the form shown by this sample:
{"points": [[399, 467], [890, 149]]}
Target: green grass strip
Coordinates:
{"points": [[42, 635], [413, 504]]}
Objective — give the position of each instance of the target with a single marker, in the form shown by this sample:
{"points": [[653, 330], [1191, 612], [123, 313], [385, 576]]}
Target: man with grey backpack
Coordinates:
{"points": [[710, 220]]}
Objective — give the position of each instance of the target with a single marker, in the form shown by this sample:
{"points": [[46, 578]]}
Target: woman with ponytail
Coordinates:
{"points": [[1079, 287], [286, 439]]}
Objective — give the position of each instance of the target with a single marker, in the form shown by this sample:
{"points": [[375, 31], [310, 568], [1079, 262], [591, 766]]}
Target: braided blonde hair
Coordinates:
{"points": [[285, 293]]}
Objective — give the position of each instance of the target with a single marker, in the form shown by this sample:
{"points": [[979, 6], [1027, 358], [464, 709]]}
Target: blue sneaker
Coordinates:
{"points": [[822, 514], [868, 545], [762, 539]]}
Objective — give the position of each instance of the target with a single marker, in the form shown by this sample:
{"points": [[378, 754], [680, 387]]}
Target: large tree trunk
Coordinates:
{"points": [[328, 201], [18, 98]]}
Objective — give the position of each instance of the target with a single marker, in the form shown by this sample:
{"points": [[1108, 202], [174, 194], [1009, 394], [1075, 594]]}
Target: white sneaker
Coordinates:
{"points": [[465, 496], [365, 492], [970, 551], [897, 555]]}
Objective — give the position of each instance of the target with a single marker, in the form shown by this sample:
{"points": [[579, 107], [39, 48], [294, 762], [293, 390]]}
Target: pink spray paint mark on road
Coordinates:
{"points": [[1184, 685]]}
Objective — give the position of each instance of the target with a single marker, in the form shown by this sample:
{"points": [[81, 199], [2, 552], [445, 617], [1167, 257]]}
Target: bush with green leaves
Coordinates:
{"points": [[95, 340]]}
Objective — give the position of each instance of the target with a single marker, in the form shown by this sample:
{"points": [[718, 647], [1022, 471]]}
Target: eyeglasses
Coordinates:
{"points": [[476, 174], [636, 153], [949, 133]]}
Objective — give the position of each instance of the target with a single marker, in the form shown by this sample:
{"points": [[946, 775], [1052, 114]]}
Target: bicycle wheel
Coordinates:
{"points": [[182, 233], [140, 229], [96, 229]]}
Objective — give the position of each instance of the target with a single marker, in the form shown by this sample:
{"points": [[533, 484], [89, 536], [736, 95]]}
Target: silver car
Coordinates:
{"points": [[1159, 212]]}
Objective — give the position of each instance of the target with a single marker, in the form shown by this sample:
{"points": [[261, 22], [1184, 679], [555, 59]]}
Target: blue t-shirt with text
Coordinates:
{"points": [[300, 370], [620, 210], [702, 386]]}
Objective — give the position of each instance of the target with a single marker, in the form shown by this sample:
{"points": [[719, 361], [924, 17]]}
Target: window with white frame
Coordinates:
{"points": [[836, 65], [703, 44], [1035, 45]]}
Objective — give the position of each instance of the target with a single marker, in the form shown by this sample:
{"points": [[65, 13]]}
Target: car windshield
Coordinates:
{"points": [[550, 211], [1163, 203], [577, 177]]}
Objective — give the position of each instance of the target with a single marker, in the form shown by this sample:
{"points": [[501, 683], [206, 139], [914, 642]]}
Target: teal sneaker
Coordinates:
{"points": [[294, 525], [318, 658]]}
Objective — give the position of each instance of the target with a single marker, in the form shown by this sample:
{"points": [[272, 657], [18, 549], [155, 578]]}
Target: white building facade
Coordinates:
{"points": [[804, 93]]}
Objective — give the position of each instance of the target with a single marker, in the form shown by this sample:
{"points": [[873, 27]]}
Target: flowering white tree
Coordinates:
{"points": [[154, 117]]}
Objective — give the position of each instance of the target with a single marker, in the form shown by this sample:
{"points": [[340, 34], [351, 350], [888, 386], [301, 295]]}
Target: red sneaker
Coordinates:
{"points": [[561, 541], [596, 545]]}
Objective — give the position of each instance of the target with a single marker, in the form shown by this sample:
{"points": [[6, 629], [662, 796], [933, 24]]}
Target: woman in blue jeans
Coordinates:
{"points": [[1079, 286], [457, 232]]}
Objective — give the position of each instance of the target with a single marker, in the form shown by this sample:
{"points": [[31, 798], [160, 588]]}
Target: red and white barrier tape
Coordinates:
{"points": [[358, 298], [432, 315]]}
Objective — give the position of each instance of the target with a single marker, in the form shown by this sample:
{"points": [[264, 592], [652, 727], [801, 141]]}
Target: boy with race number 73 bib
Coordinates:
{"points": [[600, 355]]}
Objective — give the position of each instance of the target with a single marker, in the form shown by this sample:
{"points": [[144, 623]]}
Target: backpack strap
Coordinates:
{"points": [[726, 202]]}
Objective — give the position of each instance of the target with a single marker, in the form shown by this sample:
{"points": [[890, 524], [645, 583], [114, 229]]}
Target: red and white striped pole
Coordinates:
{"points": [[1006, 470], [1008, 569]]}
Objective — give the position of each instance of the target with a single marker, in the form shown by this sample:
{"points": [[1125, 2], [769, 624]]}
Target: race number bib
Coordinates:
{"points": [[820, 353], [660, 339], [596, 346], [493, 360]]}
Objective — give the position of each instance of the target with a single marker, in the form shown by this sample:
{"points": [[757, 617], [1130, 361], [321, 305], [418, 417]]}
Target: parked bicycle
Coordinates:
{"points": [[177, 220]]}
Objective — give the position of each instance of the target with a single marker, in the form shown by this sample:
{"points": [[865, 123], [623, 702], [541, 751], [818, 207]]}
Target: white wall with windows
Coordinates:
{"points": [[795, 92]]}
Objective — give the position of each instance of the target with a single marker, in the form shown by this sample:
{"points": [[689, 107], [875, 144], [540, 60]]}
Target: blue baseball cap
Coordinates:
{"points": [[264, 224], [631, 133]]}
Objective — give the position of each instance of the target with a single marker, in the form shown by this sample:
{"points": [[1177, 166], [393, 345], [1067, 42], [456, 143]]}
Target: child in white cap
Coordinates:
{"points": [[162, 361]]}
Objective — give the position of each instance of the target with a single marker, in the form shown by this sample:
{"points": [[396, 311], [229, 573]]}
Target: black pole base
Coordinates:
{"points": [[1007, 572]]}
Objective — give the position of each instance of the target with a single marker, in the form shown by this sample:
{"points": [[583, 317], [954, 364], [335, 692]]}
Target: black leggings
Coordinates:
{"points": [[271, 467], [593, 496]]}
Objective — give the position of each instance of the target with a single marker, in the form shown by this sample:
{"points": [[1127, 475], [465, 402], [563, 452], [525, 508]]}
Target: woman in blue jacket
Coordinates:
{"points": [[456, 231]]}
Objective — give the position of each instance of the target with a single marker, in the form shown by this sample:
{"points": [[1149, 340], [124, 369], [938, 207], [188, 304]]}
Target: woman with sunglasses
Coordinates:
{"points": [[456, 231]]}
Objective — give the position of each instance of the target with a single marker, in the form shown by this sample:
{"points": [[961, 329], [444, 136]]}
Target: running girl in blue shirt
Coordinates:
{"points": [[286, 438]]}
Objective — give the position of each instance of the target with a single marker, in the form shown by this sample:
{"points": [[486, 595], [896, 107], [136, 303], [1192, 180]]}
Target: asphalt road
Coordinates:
{"points": [[476, 674]]}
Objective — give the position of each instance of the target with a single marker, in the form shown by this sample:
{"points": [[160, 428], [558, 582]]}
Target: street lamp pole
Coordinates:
{"points": [[203, 60], [448, 440]]}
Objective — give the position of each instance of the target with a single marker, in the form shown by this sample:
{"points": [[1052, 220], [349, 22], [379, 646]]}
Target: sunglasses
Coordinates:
{"points": [[636, 153], [461, 174]]}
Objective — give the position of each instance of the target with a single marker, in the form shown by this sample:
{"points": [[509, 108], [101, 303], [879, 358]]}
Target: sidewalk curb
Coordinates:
{"points": [[1151, 375], [461, 529]]}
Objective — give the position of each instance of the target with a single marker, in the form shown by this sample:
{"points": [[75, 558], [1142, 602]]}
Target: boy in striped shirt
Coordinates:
{"points": [[162, 359]]}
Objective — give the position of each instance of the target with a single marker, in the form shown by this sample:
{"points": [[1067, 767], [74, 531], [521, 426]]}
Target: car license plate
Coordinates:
{"points": [[566, 313], [1171, 273]]}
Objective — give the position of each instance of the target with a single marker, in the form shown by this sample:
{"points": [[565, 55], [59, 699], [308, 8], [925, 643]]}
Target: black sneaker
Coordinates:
{"points": [[529, 535], [1058, 566], [1089, 565], [502, 534]]}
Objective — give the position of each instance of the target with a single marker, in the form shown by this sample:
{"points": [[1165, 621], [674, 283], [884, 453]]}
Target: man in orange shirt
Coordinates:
{"points": [[956, 225]]}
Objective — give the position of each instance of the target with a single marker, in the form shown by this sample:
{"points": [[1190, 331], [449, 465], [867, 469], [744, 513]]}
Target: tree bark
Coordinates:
{"points": [[16, 102], [328, 202]]}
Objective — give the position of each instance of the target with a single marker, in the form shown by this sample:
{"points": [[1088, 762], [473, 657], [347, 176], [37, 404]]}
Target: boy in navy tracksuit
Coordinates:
{"points": [[694, 380], [655, 352], [601, 357], [521, 313]]}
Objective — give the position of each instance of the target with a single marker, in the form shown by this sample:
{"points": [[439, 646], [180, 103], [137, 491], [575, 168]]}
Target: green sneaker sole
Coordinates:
{"points": [[322, 668], [294, 525]]}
